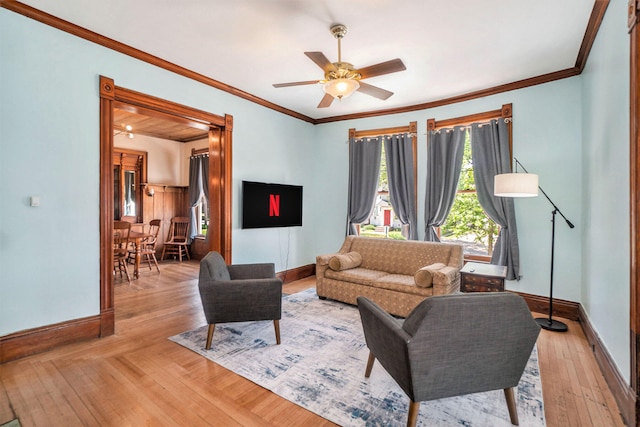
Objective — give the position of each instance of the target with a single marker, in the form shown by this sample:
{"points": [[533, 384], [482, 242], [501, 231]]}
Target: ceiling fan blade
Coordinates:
{"points": [[326, 101], [374, 91], [321, 61], [387, 67], [308, 82]]}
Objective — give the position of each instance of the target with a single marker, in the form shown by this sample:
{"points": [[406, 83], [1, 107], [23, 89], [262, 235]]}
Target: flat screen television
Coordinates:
{"points": [[271, 205]]}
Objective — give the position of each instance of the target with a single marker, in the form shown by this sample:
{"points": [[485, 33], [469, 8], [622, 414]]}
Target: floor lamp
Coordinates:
{"points": [[526, 185]]}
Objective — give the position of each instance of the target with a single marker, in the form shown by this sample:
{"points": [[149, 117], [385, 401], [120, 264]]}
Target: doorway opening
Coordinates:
{"points": [[220, 130]]}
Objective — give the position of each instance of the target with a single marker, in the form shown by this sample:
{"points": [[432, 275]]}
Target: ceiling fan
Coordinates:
{"points": [[341, 79]]}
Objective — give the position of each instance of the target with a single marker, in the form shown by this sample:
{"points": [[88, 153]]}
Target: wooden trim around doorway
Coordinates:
{"points": [[220, 144]]}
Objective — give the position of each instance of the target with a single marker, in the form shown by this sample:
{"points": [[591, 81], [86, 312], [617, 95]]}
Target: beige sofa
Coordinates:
{"points": [[396, 274]]}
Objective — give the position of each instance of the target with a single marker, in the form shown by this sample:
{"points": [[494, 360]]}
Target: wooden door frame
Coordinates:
{"points": [[220, 178]]}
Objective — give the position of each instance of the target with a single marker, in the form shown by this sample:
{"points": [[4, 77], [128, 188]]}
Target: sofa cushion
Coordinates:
{"points": [[345, 261], [362, 276], [424, 276], [401, 283], [400, 256]]}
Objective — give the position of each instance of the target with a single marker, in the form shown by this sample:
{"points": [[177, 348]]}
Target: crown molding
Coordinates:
{"points": [[597, 14]]}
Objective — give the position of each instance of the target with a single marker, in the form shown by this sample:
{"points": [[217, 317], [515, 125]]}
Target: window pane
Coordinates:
{"points": [[204, 220], [383, 221], [467, 224], [130, 193]]}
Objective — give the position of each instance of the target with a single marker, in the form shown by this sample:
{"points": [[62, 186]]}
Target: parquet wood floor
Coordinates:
{"points": [[138, 377]]}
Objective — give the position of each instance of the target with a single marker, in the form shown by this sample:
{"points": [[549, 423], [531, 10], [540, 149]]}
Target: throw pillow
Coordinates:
{"points": [[345, 261], [424, 276]]}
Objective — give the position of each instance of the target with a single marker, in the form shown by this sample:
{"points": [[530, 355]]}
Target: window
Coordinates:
{"points": [[129, 173], [467, 224], [202, 222], [385, 221]]}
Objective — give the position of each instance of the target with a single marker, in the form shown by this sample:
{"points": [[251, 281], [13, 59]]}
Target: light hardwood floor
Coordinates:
{"points": [[138, 377]]}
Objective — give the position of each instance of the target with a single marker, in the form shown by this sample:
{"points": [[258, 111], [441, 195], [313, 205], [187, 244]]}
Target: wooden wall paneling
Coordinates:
{"points": [[158, 211], [155, 208], [169, 212]]}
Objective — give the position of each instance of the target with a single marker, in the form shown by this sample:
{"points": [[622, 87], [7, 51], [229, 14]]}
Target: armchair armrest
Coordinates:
{"points": [[387, 341]]}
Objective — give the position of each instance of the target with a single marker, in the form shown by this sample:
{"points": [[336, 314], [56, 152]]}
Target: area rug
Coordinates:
{"points": [[320, 366]]}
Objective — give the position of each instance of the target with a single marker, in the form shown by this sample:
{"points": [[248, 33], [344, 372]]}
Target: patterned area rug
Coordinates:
{"points": [[320, 366]]}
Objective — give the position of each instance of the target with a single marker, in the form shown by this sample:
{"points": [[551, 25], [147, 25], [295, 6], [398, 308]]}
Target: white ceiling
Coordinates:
{"points": [[449, 47]]}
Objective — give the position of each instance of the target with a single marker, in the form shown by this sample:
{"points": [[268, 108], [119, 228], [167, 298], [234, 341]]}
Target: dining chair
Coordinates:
{"points": [[121, 230], [177, 242], [148, 245]]}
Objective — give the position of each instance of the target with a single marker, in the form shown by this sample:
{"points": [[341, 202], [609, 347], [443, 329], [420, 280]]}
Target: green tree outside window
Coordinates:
{"points": [[467, 220]]}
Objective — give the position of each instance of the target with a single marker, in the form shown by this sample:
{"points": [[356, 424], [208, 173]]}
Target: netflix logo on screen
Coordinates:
{"points": [[271, 205]]}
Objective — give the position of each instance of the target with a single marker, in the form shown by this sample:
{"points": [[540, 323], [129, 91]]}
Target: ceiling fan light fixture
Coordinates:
{"points": [[341, 88]]}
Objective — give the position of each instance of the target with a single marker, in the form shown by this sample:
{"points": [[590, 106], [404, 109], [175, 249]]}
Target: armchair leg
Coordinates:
{"points": [[372, 359], [511, 404], [414, 410], [276, 326], [212, 327]]}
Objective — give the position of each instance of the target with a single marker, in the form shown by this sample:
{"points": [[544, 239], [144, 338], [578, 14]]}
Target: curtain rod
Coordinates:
{"points": [[468, 126], [369, 138]]}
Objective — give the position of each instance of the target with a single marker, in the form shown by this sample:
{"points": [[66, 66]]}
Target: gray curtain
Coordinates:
{"points": [[399, 155], [491, 156], [205, 177], [364, 169], [444, 162], [198, 181]]}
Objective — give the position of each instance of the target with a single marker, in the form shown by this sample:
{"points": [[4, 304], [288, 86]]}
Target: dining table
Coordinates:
{"points": [[138, 238]]}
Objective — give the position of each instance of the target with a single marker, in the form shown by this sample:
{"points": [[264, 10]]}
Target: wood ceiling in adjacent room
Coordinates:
{"points": [[157, 127]]}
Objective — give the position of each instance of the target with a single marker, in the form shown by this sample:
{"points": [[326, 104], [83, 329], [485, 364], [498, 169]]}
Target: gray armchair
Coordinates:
{"points": [[239, 293], [452, 345]]}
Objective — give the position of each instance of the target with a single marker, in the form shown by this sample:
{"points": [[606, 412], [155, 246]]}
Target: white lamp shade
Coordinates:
{"points": [[341, 88], [515, 185]]}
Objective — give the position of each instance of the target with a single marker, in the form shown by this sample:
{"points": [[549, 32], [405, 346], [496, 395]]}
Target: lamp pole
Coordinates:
{"points": [[549, 323]]}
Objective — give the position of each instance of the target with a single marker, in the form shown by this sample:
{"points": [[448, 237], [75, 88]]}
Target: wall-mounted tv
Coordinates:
{"points": [[271, 205]]}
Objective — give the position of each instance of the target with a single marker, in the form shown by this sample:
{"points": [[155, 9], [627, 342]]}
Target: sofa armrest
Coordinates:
{"points": [[456, 257], [446, 280], [322, 263]]}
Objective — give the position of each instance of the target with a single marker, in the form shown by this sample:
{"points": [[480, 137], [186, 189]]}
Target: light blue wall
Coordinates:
{"points": [[49, 121], [49, 136], [546, 139], [605, 179]]}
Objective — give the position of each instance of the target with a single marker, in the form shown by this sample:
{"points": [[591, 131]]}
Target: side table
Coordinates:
{"points": [[480, 277]]}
